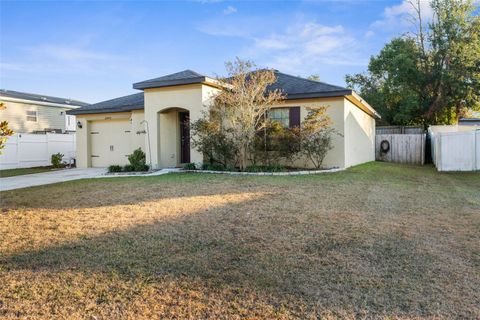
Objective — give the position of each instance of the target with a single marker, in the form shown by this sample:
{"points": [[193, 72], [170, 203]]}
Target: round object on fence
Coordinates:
{"points": [[385, 146]]}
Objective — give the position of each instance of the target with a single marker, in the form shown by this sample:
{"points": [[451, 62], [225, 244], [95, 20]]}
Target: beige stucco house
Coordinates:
{"points": [[29, 112], [154, 120]]}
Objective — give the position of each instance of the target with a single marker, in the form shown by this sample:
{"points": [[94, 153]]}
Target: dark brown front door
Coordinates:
{"points": [[184, 137]]}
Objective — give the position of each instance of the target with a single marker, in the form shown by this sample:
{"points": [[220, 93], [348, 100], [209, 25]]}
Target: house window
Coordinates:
{"points": [[281, 115], [32, 115]]}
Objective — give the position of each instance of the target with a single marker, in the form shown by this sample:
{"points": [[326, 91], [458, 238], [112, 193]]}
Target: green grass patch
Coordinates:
{"points": [[23, 171], [378, 240]]}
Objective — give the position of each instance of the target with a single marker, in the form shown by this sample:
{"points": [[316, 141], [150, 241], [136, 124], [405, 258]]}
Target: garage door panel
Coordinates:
{"points": [[109, 142]]}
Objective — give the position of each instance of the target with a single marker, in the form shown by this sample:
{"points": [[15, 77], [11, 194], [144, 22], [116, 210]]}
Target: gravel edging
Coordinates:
{"points": [[235, 173], [128, 174], [290, 173]]}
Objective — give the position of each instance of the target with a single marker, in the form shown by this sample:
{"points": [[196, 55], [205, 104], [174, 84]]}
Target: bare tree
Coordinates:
{"points": [[243, 104]]}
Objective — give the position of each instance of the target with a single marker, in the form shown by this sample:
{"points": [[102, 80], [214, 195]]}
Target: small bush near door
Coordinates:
{"points": [[137, 163], [114, 168], [190, 166], [57, 160], [128, 168], [138, 160]]}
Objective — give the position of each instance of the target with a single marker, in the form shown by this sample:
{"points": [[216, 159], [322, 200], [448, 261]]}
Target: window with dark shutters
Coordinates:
{"points": [[294, 117]]}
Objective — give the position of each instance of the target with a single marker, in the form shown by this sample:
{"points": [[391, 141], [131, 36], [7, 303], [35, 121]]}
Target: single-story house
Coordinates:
{"points": [[31, 113], [472, 120], [108, 131], [469, 122]]}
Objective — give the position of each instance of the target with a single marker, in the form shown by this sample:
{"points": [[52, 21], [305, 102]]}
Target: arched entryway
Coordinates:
{"points": [[173, 137]]}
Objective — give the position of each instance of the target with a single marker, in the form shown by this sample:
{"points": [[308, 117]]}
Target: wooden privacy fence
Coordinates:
{"points": [[401, 148], [25, 150], [399, 130]]}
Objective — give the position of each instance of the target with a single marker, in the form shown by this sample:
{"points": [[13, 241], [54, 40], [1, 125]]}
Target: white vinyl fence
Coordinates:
{"points": [[455, 150], [25, 150]]}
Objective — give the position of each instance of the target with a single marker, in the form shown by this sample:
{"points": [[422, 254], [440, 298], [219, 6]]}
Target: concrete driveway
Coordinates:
{"points": [[38, 179]]}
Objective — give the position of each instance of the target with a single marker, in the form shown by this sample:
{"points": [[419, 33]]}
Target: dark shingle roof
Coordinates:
{"points": [[126, 103], [293, 87], [469, 121], [182, 77], [40, 98], [298, 88]]}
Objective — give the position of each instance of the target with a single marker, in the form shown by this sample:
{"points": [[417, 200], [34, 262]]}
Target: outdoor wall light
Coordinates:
{"points": [[79, 125]]}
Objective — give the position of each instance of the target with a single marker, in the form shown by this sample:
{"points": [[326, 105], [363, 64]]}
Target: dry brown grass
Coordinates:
{"points": [[376, 241]]}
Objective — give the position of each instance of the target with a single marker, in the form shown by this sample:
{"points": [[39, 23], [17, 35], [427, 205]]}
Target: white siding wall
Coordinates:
{"points": [[47, 117]]}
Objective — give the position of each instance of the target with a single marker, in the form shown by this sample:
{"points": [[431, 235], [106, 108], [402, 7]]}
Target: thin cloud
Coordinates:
{"points": [[229, 10], [208, 1], [402, 16], [303, 46], [66, 59], [68, 53], [369, 34]]}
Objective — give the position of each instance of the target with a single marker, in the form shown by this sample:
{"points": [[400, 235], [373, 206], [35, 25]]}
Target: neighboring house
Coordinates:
{"points": [[108, 131], [469, 122], [472, 120], [29, 113]]}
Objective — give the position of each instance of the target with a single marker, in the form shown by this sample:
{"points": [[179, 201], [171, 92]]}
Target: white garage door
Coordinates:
{"points": [[109, 142]]}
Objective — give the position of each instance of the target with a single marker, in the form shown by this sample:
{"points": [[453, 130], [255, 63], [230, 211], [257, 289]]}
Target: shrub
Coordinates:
{"points": [[213, 167], [253, 168], [128, 168], [138, 160], [230, 167], [269, 168], [215, 143], [190, 166], [114, 168], [143, 167], [274, 168], [316, 136], [275, 142], [57, 160]]}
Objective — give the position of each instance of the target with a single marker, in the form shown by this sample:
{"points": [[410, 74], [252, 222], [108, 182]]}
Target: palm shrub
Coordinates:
{"points": [[138, 160], [56, 160]]}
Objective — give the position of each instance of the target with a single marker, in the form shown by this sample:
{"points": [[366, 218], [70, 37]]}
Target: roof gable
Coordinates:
{"points": [[178, 78], [299, 88], [122, 104], [40, 98]]}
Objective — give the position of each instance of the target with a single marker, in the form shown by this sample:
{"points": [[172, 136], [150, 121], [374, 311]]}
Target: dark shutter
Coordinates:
{"points": [[294, 117]]}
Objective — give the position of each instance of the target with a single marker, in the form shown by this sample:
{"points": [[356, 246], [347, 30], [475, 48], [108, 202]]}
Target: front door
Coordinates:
{"points": [[184, 137]]}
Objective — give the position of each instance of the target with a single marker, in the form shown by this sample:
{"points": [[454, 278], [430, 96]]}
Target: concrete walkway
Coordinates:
{"points": [[37, 179]]}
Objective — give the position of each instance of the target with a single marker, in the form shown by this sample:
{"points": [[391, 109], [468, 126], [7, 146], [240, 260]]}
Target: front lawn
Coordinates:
{"points": [[22, 171], [376, 241]]}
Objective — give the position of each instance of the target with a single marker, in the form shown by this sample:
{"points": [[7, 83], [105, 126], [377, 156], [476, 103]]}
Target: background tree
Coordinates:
{"points": [[431, 76], [5, 131]]}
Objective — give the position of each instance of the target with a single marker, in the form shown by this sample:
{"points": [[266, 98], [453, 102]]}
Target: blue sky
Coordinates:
{"points": [[93, 51]]}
